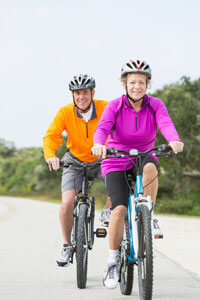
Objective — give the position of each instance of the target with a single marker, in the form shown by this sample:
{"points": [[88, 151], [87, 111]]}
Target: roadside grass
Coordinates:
{"points": [[179, 205], [46, 198]]}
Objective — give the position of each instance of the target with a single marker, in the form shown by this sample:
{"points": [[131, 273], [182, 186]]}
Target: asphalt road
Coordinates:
{"points": [[30, 240]]}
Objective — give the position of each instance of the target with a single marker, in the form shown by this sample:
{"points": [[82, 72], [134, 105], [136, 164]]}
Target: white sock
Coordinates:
{"points": [[112, 257], [152, 214]]}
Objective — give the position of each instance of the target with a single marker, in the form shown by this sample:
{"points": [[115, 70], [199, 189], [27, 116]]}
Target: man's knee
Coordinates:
{"points": [[68, 200]]}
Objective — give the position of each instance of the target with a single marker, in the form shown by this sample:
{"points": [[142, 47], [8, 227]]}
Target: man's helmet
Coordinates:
{"points": [[136, 66], [82, 81]]}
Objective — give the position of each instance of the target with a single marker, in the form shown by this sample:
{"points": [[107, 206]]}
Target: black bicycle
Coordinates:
{"points": [[83, 229]]}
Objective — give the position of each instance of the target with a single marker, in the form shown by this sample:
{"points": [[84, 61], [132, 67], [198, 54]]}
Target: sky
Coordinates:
{"points": [[43, 44]]}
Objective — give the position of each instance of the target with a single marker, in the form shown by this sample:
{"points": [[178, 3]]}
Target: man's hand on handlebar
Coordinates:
{"points": [[99, 150], [53, 163]]}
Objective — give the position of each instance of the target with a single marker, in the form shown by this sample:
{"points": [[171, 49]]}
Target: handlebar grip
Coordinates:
{"points": [[110, 151], [164, 148], [64, 164], [168, 148]]}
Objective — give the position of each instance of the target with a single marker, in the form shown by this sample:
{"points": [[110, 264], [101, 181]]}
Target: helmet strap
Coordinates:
{"points": [[131, 99]]}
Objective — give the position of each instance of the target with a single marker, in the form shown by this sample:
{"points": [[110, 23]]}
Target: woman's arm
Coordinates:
{"points": [[165, 123], [167, 127], [105, 125], [103, 130]]}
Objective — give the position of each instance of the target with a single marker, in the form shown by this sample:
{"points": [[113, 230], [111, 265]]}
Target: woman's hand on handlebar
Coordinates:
{"points": [[53, 163], [99, 150], [176, 146]]}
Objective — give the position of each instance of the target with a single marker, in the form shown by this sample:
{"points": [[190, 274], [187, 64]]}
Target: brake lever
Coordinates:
{"points": [[171, 154]]}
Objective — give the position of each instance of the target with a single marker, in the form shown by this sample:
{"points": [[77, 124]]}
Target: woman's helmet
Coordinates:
{"points": [[136, 66], [82, 81]]}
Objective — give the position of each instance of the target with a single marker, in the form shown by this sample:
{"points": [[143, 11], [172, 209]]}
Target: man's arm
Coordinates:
{"points": [[53, 139]]}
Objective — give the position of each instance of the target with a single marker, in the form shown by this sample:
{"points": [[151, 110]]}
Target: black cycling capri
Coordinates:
{"points": [[117, 186]]}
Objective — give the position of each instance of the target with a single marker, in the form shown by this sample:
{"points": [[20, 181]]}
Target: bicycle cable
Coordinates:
{"points": [[172, 156], [154, 177], [130, 159], [150, 181], [125, 174]]}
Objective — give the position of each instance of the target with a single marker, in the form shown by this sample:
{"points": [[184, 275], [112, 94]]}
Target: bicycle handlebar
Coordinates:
{"points": [[78, 164], [158, 151]]}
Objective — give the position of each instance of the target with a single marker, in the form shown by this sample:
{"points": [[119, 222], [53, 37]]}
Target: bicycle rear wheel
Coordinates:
{"points": [[126, 267], [82, 246], [145, 254]]}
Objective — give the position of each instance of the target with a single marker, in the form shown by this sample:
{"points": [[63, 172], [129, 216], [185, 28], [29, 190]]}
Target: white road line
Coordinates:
{"points": [[8, 211]]}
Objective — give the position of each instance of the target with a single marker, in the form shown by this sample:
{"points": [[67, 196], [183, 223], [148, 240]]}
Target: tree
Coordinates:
{"points": [[7, 149], [183, 103]]}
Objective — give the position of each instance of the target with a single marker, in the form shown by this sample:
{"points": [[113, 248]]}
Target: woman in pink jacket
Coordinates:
{"points": [[130, 122]]}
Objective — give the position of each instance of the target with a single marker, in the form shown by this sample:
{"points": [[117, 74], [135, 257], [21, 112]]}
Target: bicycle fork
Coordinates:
{"points": [[100, 232], [133, 211]]}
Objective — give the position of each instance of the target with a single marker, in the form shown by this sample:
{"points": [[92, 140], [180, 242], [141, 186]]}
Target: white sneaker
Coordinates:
{"points": [[65, 256], [156, 230], [111, 277], [105, 216]]}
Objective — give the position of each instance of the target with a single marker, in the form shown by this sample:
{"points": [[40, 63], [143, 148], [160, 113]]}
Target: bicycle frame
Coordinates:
{"points": [[89, 201], [134, 202], [136, 199], [82, 236], [137, 243], [84, 199]]}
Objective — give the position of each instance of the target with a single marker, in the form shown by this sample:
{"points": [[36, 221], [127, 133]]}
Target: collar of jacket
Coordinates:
{"points": [[144, 102], [94, 115]]}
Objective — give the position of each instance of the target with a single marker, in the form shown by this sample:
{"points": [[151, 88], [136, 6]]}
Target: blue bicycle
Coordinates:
{"points": [[137, 244]]}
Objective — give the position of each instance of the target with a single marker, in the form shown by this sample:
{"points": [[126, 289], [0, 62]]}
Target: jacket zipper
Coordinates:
{"points": [[136, 121], [87, 130]]}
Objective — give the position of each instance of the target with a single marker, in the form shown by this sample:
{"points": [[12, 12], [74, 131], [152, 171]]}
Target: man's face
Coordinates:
{"points": [[83, 98]]}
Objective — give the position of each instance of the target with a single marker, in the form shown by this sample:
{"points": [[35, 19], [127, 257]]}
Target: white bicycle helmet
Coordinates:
{"points": [[82, 81], [136, 66]]}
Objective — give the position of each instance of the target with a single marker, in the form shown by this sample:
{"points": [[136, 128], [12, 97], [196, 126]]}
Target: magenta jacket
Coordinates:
{"points": [[126, 129]]}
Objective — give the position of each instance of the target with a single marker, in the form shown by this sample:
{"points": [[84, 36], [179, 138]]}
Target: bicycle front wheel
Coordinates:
{"points": [[126, 267], [82, 246], [145, 254]]}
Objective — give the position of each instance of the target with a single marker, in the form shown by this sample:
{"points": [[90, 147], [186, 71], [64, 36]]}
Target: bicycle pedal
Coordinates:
{"points": [[101, 232], [158, 236]]}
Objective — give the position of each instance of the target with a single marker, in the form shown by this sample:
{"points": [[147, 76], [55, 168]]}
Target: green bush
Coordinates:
{"points": [[180, 205]]}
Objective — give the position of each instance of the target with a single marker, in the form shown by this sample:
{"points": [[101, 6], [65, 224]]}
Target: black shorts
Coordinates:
{"points": [[116, 183]]}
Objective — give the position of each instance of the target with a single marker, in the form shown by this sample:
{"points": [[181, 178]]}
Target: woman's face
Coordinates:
{"points": [[136, 85]]}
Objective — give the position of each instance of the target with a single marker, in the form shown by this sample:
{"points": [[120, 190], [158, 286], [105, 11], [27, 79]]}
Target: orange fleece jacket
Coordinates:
{"points": [[80, 134]]}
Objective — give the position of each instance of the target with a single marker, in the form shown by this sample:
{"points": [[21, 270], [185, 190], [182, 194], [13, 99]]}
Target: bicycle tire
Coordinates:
{"points": [[91, 223], [145, 254], [82, 246], [127, 268]]}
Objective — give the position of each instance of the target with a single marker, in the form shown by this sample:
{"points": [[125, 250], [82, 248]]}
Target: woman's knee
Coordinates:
{"points": [[119, 211], [150, 170]]}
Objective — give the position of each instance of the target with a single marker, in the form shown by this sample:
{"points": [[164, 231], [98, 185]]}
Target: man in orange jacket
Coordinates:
{"points": [[79, 119]]}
